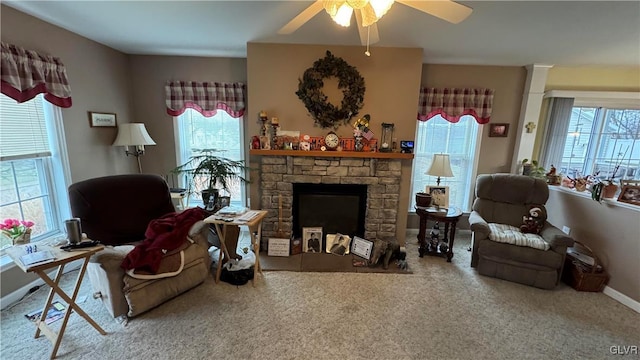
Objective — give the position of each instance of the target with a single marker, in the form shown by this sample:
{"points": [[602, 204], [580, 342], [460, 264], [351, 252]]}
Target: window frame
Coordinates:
{"points": [[182, 155], [602, 102], [55, 171], [466, 184]]}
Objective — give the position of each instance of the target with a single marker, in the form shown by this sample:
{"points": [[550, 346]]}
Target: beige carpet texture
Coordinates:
{"points": [[439, 311]]}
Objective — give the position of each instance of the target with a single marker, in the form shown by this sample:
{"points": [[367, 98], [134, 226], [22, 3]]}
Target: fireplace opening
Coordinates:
{"points": [[337, 208]]}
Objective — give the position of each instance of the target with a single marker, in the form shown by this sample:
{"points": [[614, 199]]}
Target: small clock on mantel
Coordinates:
{"points": [[331, 140]]}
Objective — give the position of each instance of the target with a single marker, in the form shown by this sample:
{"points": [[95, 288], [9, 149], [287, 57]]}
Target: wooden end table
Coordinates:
{"points": [[255, 225], [61, 259], [449, 217]]}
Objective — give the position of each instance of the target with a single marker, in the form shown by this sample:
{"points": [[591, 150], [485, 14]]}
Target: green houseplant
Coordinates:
{"points": [[210, 173], [532, 169]]}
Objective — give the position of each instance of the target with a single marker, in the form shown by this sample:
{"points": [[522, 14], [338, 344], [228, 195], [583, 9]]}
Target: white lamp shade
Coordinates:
{"points": [[133, 134], [440, 166]]}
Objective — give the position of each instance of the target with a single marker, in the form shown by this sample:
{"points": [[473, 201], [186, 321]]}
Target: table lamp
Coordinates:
{"points": [[440, 166], [133, 134]]}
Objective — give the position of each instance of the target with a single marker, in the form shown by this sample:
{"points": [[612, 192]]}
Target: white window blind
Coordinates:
{"points": [[23, 130]]}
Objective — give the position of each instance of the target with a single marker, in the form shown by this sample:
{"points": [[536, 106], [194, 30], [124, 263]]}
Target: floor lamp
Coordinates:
{"points": [[136, 135]]}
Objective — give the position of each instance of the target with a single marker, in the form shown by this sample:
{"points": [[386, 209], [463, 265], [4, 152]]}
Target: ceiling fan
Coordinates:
{"points": [[368, 12]]}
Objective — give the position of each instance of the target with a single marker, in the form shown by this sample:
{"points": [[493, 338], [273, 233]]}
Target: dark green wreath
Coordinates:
{"points": [[350, 82]]}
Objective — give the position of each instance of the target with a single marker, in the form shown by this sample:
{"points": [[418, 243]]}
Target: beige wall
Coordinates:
{"points": [[392, 80], [610, 231], [100, 81], [148, 77]]}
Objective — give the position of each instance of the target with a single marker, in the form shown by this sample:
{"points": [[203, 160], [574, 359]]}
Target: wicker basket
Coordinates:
{"points": [[582, 276]]}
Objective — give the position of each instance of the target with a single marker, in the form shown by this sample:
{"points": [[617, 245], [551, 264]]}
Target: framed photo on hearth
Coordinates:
{"points": [[361, 247], [439, 195], [338, 244], [312, 239]]}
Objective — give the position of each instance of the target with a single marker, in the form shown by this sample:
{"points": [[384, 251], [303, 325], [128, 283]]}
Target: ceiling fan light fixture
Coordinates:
{"points": [[343, 16], [381, 7]]}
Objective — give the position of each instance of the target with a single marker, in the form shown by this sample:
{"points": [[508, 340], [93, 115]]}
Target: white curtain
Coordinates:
{"points": [[556, 132]]}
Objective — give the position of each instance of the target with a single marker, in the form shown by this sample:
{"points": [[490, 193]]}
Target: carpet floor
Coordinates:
{"points": [[441, 311]]}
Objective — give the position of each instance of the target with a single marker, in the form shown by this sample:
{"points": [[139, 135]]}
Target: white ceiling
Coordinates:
{"points": [[570, 33]]}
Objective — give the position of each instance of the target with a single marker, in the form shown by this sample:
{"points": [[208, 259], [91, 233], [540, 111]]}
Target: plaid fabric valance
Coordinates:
{"points": [[25, 74], [452, 104], [205, 97]]}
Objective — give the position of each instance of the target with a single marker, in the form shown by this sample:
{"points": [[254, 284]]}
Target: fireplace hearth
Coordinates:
{"points": [[379, 178]]}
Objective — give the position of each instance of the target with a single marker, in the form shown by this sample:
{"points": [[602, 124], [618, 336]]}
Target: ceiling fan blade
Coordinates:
{"points": [[444, 9], [362, 31], [302, 18]]}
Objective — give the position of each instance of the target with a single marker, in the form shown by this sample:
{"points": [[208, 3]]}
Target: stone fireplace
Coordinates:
{"points": [[380, 175]]}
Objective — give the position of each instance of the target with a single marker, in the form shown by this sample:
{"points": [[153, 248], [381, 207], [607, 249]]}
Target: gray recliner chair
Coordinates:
{"points": [[116, 210], [505, 199]]}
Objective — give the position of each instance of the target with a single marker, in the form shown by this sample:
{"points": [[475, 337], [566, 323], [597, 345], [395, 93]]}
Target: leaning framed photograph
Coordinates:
{"points": [[99, 119], [338, 244], [312, 239], [498, 130], [439, 195], [630, 194], [361, 247]]}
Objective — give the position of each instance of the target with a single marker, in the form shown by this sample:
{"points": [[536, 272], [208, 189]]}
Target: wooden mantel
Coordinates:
{"points": [[343, 154]]}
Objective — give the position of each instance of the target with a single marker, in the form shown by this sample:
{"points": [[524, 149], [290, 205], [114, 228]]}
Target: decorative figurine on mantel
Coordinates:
{"points": [[263, 119], [275, 124]]}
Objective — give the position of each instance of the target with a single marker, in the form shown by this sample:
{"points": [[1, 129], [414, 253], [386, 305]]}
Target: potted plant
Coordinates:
{"points": [[607, 188], [211, 173], [532, 169]]}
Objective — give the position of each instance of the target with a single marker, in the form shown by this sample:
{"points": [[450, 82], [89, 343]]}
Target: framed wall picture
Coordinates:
{"points": [[498, 130], [98, 119], [439, 195], [312, 239], [630, 194]]}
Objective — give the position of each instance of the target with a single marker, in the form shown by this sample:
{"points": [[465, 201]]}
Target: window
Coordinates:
{"points": [[221, 132], [598, 138], [460, 141], [33, 166]]}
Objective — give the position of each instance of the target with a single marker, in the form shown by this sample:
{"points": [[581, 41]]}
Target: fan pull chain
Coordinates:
{"points": [[367, 52]]}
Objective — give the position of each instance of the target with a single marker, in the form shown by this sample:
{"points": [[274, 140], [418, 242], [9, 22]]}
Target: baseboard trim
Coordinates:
{"points": [[622, 298], [15, 296]]}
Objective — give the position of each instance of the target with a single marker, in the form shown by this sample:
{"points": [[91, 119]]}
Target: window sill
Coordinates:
{"points": [[587, 195]]}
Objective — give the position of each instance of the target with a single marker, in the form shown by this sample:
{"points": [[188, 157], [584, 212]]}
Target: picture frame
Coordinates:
{"points": [[361, 247], [498, 130], [338, 244], [278, 247], [101, 119], [309, 235], [439, 195], [630, 194]]}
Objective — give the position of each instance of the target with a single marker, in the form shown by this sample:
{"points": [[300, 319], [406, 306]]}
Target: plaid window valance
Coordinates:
{"points": [[452, 104], [25, 74], [205, 97]]}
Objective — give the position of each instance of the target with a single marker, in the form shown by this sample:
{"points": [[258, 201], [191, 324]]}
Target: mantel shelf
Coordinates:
{"points": [[342, 154]]}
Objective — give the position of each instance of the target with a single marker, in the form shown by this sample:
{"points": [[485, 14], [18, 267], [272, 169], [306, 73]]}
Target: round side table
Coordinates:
{"points": [[450, 219]]}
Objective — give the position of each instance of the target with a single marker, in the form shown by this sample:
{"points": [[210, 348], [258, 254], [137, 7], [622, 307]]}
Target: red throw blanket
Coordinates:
{"points": [[163, 235]]}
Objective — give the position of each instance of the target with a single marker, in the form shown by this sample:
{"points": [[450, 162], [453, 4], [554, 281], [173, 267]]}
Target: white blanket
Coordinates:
{"points": [[512, 235]]}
